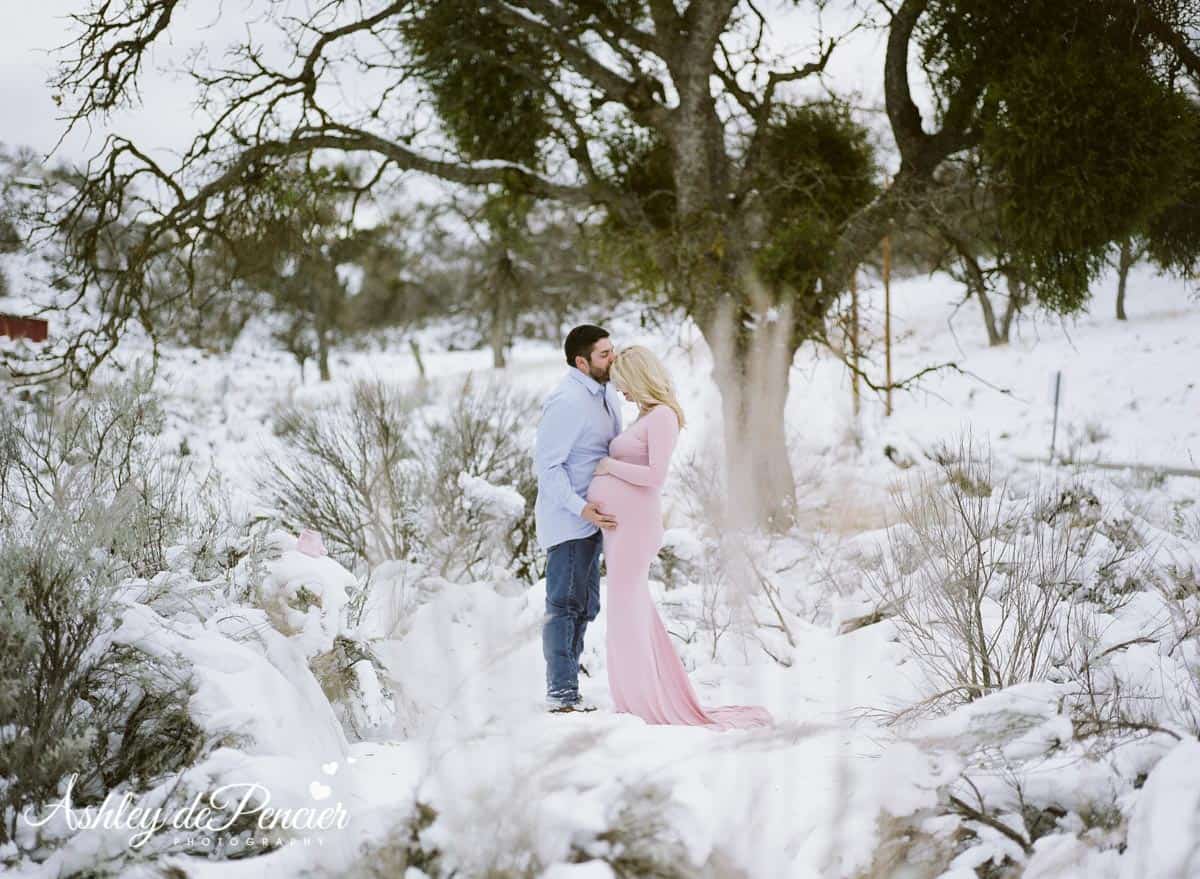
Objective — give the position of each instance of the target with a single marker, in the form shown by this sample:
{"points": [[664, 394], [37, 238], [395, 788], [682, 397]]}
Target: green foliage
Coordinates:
{"points": [[815, 169], [112, 715], [1173, 234], [818, 170], [642, 166], [1079, 133], [485, 78], [52, 606], [1074, 181]]}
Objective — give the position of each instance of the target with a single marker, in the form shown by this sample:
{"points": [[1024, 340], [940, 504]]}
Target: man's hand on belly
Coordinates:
{"points": [[593, 514]]}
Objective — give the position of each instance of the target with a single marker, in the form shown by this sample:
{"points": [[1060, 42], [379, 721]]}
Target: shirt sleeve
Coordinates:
{"points": [[662, 432], [557, 433]]}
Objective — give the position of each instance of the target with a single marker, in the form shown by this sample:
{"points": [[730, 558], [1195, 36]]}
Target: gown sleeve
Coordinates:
{"points": [[662, 432]]}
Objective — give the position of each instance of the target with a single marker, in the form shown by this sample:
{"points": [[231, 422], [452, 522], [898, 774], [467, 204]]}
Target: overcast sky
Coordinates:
{"points": [[165, 122]]}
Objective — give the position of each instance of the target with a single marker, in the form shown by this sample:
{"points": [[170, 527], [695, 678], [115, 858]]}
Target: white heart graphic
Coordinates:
{"points": [[319, 791], [329, 768]]}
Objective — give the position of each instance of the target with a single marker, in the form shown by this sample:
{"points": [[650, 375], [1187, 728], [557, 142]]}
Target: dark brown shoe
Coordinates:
{"points": [[573, 707]]}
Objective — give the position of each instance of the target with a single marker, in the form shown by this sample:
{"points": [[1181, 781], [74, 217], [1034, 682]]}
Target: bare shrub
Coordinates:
{"points": [[362, 704], [72, 448], [85, 502], [1185, 519], [1105, 710], [977, 577], [381, 480], [92, 453], [908, 849], [740, 592], [352, 472], [487, 434], [400, 850], [1180, 590], [52, 606], [138, 705], [640, 841]]}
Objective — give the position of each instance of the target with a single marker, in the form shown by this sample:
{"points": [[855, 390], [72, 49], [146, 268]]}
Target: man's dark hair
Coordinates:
{"points": [[581, 341]]}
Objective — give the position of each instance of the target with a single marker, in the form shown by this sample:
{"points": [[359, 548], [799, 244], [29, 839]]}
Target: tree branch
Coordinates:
{"points": [[106, 71], [630, 93]]}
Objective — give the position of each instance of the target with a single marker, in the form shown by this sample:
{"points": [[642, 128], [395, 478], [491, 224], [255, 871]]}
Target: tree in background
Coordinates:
{"points": [[1170, 238], [749, 206], [960, 218], [292, 234]]}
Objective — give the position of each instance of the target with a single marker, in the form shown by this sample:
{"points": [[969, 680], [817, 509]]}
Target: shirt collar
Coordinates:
{"points": [[586, 380]]}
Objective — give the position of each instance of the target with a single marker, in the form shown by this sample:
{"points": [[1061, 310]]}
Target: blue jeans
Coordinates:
{"points": [[572, 601]]}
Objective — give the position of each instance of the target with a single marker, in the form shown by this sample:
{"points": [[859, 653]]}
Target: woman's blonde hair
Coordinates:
{"points": [[638, 371]]}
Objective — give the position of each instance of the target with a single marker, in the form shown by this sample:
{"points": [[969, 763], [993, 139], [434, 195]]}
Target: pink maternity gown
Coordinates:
{"points": [[645, 674]]}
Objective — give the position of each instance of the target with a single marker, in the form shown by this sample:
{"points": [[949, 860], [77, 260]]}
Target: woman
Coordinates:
{"points": [[645, 674]]}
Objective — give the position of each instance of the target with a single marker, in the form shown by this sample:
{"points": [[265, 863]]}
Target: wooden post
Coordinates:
{"points": [[416, 353], [854, 336], [1054, 428], [887, 317]]}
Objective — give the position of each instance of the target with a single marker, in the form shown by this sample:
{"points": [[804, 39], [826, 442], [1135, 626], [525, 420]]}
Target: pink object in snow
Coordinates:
{"points": [[309, 543]]}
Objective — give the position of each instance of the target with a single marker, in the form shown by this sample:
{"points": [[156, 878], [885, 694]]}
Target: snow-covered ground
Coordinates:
{"points": [[456, 708]]}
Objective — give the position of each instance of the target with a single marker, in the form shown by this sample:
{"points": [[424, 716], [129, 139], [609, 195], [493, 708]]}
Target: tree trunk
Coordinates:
{"points": [[1124, 262], [977, 284], [323, 353], [989, 316], [416, 353], [321, 325], [318, 304], [1016, 299], [502, 281], [751, 370]]}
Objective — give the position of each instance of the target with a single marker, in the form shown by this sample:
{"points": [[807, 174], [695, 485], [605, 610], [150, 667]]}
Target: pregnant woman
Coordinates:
{"points": [[645, 674]]}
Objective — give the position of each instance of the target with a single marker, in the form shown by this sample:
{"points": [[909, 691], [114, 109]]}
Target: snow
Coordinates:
{"points": [[447, 710], [1165, 825], [499, 500], [320, 583]]}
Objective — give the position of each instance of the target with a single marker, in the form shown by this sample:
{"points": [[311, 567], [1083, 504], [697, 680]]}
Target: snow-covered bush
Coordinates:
{"points": [[481, 484], [977, 574], [91, 454], [401, 852], [633, 830], [70, 702], [307, 600], [383, 477], [351, 472], [53, 604]]}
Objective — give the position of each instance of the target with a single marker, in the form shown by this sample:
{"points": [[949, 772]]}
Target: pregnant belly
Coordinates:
{"points": [[624, 501]]}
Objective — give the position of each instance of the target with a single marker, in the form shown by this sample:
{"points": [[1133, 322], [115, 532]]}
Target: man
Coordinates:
{"points": [[579, 419]]}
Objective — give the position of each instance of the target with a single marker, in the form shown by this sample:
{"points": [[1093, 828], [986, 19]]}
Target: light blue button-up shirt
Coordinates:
{"points": [[572, 436]]}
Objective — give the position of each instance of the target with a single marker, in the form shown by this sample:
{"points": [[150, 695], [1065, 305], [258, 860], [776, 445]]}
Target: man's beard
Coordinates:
{"points": [[600, 375]]}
